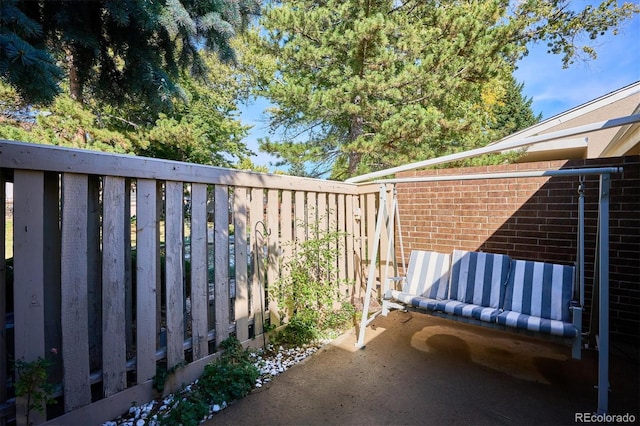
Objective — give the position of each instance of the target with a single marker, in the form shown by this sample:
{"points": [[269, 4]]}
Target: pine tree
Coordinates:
{"points": [[361, 85], [116, 51], [513, 112]]}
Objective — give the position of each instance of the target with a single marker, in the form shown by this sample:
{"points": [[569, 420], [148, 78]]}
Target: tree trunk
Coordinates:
{"points": [[75, 80]]}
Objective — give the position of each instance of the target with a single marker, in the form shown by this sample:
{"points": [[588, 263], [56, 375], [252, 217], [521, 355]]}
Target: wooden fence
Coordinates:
{"points": [[121, 264]]}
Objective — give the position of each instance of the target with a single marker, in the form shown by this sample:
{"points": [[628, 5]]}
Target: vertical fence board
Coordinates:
{"points": [[147, 279], [286, 227], [352, 226], [174, 259], [28, 240], [322, 216], [128, 281], [113, 287], [300, 215], [286, 233], [74, 297], [332, 213], [256, 213], [341, 226], [3, 292], [240, 262], [221, 263], [199, 286], [322, 224], [312, 214], [272, 252]]}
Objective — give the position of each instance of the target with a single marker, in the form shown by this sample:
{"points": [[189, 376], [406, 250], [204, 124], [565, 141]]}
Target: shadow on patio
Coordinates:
{"points": [[418, 369]]}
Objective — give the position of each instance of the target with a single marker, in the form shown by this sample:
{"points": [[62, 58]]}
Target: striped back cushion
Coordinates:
{"points": [[540, 289], [479, 278], [428, 274]]}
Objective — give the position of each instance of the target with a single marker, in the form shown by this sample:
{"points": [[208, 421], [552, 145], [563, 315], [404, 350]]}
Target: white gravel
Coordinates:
{"points": [[270, 363]]}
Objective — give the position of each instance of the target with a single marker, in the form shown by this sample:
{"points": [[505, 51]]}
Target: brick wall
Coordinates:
{"points": [[534, 219]]}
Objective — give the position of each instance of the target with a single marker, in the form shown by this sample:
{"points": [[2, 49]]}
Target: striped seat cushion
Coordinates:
{"points": [[428, 274], [420, 302], [468, 310], [541, 325], [427, 280], [538, 296], [478, 278]]}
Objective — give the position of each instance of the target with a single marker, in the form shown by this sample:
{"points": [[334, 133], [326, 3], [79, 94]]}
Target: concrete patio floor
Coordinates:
{"points": [[421, 370]]}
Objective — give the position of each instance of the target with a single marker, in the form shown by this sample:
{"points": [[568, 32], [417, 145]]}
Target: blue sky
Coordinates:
{"points": [[552, 88]]}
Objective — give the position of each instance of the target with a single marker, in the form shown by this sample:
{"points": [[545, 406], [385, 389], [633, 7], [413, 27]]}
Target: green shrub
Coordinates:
{"points": [[309, 289], [230, 377]]}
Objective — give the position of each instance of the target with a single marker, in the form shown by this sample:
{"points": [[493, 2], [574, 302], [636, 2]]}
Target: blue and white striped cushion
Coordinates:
{"points": [[540, 290], [478, 278], [469, 310], [428, 275], [548, 326], [413, 300]]}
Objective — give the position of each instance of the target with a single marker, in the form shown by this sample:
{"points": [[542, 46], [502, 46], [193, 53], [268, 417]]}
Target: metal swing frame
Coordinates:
{"points": [[387, 218]]}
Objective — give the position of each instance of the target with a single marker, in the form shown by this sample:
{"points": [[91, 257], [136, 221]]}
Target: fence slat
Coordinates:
{"points": [[300, 215], [74, 292], [113, 287], [240, 262], [199, 299], [221, 263], [286, 233], [342, 228], [128, 280], [256, 213], [174, 272], [147, 279], [272, 252], [28, 240], [286, 227], [352, 225], [312, 213]]}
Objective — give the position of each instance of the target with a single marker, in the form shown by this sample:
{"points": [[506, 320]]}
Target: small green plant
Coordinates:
{"points": [[230, 377], [32, 384], [162, 374], [300, 330], [309, 291]]}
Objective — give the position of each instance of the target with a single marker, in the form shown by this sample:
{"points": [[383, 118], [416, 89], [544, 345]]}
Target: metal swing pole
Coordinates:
{"points": [[578, 307], [581, 241], [603, 260], [382, 216]]}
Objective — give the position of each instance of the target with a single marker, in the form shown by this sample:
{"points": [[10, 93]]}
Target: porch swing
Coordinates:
{"points": [[437, 284]]}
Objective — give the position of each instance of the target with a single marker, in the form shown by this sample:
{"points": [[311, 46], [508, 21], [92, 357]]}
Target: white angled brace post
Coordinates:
{"points": [[383, 215]]}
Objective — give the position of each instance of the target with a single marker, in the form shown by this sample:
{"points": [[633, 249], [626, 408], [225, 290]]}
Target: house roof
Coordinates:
{"points": [[610, 143], [608, 126]]}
